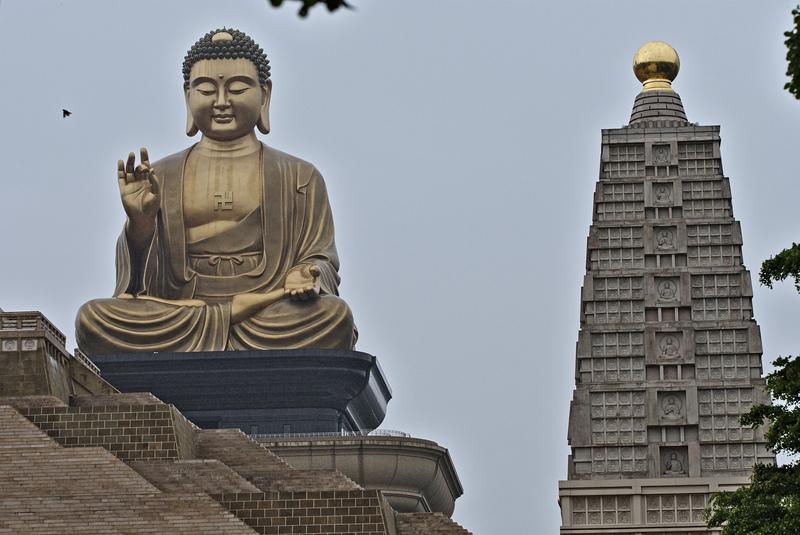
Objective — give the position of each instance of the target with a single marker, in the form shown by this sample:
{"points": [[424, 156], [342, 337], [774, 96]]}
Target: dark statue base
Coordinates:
{"points": [[260, 392]]}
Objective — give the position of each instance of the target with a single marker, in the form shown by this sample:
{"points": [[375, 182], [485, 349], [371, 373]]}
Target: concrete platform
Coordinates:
{"points": [[414, 475], [286, 391]]}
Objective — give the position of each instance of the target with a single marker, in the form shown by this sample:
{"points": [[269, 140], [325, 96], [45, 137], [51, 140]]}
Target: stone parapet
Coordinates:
{"points": [[35, 362], [415, 475]]}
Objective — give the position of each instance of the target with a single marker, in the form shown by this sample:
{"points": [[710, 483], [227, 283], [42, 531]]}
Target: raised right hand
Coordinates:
{"points": [[138, 188]]}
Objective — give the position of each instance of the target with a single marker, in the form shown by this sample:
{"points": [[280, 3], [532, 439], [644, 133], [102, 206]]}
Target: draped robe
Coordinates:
{"points": [[177, 308]]}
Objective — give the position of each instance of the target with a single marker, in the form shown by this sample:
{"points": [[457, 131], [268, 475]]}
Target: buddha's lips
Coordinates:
{"points": [[222, 118]]}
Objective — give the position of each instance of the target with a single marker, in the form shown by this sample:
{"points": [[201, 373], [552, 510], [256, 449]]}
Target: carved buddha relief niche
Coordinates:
{"points": [[674, 461], [670, 355], [662, 199], [661, 159]]}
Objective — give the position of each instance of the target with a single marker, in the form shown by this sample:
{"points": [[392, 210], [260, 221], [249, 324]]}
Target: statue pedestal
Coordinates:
{"points": [[266, 392]]}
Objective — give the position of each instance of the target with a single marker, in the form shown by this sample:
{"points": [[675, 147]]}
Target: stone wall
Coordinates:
{"points": [[346, 512], [131, 432]]}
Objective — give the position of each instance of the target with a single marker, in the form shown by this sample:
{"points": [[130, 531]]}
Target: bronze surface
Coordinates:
{"points": [[228, 244]]}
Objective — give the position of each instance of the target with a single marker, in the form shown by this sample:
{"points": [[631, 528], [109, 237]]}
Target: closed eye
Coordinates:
{"points": [[238, 87], [206, 88]]}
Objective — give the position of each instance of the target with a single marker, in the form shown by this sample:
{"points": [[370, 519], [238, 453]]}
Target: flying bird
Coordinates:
{"points": [[66, 113]]}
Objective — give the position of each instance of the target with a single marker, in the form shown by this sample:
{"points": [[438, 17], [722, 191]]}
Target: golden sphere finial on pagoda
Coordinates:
{"points": [[656, 64]]}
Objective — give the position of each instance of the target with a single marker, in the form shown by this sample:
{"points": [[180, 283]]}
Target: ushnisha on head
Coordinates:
{"points": [[227, 86], [656, 64]]}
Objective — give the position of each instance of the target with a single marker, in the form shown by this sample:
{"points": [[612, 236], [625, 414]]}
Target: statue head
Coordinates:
{"points": [[227, 86]]}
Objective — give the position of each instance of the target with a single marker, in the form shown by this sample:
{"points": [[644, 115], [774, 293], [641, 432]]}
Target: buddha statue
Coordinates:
{"points": [[229, 244], [673, 466]]}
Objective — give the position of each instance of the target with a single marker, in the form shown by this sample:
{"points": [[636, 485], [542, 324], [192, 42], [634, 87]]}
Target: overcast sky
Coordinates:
{"points": [[459, 140]]}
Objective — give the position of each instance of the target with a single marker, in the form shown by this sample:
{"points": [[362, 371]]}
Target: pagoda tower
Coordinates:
{"points": [[668, 353]]}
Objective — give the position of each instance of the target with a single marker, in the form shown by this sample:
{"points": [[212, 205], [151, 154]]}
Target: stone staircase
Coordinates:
{"points": [[427, 524], [118, 514], [61, 472], [16, 433], [130, 464], [48, 489], [263, 468], [192, 476]]}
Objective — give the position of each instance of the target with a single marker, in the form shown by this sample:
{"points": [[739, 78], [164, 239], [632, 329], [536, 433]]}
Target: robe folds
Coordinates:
{"points": [[161, 304]]}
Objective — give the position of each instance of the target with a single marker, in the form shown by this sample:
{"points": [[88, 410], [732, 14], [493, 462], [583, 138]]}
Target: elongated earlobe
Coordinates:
{"points": [[191, 128], [263, 117]]}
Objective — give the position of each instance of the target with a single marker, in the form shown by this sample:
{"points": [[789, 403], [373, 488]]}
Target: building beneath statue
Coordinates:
{"points": [[668, 353], [78, 456]]}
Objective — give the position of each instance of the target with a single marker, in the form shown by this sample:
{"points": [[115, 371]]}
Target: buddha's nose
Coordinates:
{"points": [[222, 99]]}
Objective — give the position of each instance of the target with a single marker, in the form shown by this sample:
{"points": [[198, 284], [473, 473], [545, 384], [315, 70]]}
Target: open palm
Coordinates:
{"points": [[138, 188]]}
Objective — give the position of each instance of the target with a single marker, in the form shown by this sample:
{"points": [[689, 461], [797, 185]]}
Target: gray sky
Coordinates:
{"points": [[460, 142]]}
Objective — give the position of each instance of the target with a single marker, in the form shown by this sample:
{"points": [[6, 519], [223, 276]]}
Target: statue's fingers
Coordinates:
{"points": [[131, 161], [153, 179], [140, 172], [121, 170], [144, 156]]}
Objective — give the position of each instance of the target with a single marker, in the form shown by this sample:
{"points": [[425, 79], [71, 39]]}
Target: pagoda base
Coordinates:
{"points": [[260, 392], [640, 506]]}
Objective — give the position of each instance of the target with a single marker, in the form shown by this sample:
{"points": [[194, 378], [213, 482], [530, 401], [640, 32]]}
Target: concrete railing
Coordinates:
{"points": [[364, 433]]}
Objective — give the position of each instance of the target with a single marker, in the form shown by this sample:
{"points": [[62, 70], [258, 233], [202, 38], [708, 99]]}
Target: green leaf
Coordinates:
{"points": [[770, 505], [783, 265], [793, 55], [306, 6]]}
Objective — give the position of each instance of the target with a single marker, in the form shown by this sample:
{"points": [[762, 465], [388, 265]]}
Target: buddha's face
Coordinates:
{"points": [[225, 98]]}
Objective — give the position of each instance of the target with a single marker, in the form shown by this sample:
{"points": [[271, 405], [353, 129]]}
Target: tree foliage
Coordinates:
{"points": [[771, 504], [306, 5], [781, 266], [793, 55]]}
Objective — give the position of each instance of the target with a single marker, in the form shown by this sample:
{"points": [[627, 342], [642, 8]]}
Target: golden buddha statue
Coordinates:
{"points": [[229, 244]]}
